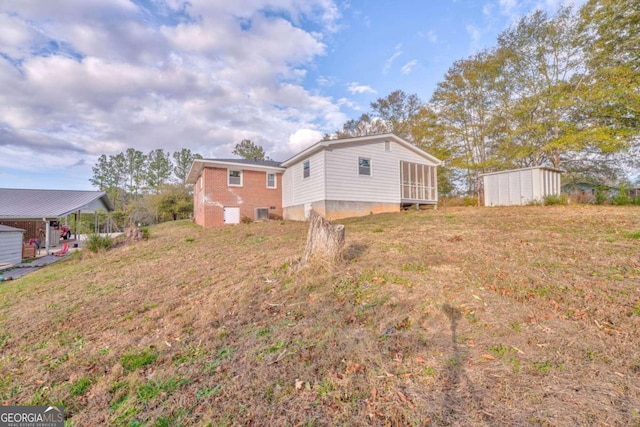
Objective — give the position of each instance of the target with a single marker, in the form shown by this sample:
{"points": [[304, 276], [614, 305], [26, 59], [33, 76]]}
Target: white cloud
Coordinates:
{"points": [[475, 36], [389, 62], [303, 138], [429, 35], [409, 66], [508, 7], [347, 102], [88, 77], [326, 80], [355, 87]]}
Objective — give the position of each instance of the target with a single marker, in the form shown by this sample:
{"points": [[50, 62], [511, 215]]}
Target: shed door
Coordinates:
{"points": [[232, 215]]}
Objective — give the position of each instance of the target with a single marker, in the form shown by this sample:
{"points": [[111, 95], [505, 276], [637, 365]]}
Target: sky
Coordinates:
{"points": [[82, 78]]}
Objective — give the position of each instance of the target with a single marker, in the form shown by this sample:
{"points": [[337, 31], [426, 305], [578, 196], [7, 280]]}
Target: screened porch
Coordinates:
{"points": [[419, 183]]}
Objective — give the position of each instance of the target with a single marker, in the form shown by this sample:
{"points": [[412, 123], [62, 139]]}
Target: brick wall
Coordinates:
{"points": [[212, 194]]}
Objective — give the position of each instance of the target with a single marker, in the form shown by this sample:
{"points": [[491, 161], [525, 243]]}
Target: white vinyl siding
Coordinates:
{"points": [[520, 186], [297, 190], [11, 247], [383, 186]]}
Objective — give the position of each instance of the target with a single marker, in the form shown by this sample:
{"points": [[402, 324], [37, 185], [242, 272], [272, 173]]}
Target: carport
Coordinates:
{"points": [[31, 209]]}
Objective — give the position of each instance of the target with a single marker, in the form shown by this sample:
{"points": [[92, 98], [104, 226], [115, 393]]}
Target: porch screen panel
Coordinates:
{"points": [[418, 181]]}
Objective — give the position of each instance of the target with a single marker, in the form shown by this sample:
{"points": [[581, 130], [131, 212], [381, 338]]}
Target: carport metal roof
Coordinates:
{"points": [[20, 204]]}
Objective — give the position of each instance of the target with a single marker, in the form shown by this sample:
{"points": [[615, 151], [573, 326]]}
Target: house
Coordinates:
{"points": [[520, 186], [227, 190], [357, 176], [590, 191], [337, 178], [38, 211], [10, 245]]}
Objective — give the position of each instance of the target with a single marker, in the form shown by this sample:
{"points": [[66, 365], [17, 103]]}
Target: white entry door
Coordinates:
{"points": [[232, 215]]}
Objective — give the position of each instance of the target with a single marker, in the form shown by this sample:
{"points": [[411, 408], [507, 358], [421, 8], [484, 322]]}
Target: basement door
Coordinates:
{"points": [[232, 215]]}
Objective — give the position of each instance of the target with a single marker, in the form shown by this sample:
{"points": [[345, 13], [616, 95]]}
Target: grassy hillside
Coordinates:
{"points": [[460, 316]]}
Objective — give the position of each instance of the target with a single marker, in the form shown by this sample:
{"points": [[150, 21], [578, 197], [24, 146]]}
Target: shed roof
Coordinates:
{"points": [[523, 169], [6, 229], [17, 203]]}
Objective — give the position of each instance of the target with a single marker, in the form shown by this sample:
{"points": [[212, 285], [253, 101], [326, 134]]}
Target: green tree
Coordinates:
{"points": [[467, 102], [429, 133], [135, 169], [158, 169], [397, 112], [365, 125], [608, 116], [182, 161], [173, 202], [247, 149], [108, 176], [541, 55]]}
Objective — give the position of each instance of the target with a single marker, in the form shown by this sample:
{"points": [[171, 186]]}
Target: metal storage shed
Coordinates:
{"points": [[10, 245], [520, 186]]}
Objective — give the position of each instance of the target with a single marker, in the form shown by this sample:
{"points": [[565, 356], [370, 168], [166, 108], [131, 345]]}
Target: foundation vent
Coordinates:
{"points": [[262, 214]]}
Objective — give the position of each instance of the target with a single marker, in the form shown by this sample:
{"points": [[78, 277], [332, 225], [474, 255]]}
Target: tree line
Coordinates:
{"points": [[560, 90], [147, 187], [152, 187]]}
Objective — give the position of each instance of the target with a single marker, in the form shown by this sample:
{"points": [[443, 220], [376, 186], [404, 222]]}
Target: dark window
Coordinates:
{"points": [[235, 178], [364, 166], [306, 169]]}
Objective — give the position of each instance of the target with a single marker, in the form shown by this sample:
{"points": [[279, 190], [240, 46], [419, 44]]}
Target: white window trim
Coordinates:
{"points": [[275, 180], [370, 166], [229, 176], [309, 163]]}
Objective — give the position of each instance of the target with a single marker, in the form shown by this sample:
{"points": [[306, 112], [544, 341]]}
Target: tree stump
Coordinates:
{"points": [[133, 233], [324, 240]]}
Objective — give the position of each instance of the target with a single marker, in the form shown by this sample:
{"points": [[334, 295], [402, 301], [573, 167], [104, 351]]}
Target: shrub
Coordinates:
{"points": [[470, 201], [146, 232], [601, 195], [246, 220], [554, 199], [96, 242]]}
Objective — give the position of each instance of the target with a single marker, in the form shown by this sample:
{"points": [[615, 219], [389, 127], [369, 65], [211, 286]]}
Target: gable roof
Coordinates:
{"points": [[254, 162], [522, 169], [322, 145], [245, 164], [17, 203]]}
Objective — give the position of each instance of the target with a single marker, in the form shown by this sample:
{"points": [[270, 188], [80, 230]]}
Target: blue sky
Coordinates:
{"points": [[81, 78]]}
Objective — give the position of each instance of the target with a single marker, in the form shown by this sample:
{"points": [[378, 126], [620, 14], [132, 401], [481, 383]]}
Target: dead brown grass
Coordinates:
{"points": [[460, 316]]}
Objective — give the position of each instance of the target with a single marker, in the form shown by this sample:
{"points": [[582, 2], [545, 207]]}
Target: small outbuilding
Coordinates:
{"points": [[520, 186], [10, 245]]}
